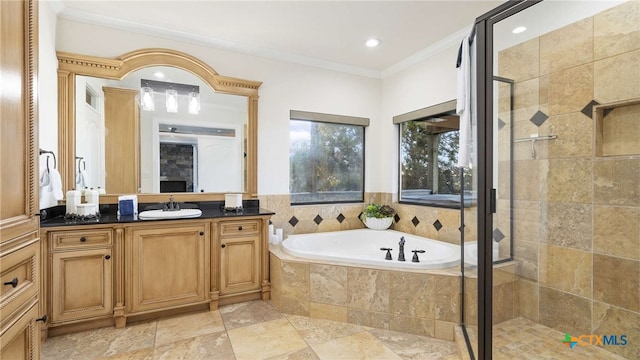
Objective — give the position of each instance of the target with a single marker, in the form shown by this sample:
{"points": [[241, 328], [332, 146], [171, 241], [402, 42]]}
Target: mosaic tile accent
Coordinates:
{"points": [[501, 124], [318, 219], [438, 225], [293, 221], [539, 118], [340, 218], [415, 221], [498, 235], [396, 218]]}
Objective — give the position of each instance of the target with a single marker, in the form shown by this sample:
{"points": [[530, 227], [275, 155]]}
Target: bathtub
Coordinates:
{"points": [[362, 246], [471, 253]]}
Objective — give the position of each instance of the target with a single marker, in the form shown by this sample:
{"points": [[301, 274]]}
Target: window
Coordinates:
{"points": [[326, 157], [428, 158], [91, 98]]}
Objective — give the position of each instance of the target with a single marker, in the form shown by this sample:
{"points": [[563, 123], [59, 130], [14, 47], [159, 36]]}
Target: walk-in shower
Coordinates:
{"points": [[558, 173]]}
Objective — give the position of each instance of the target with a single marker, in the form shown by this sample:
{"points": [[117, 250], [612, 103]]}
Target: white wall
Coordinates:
{"points": [[47, 88], [429, 82], [285, 86]]}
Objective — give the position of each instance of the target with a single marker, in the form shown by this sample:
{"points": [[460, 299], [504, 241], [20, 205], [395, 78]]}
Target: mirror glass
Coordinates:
{"points": [[179, 151]]}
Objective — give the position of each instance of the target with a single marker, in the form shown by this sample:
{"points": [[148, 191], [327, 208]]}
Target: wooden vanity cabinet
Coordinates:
{"points": [[81, 275], [103, 274], [166, 266], [240, 250]]}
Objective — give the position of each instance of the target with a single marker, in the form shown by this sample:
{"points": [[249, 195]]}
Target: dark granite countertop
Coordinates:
{"points": [[55, 216]]}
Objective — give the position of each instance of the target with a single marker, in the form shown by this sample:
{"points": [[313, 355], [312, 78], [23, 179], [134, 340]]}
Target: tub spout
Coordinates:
{"points": [[401, 254]]}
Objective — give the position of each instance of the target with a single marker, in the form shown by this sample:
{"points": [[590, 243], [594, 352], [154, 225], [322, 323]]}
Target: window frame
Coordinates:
{"points": [[444, 109], [336, 120]]}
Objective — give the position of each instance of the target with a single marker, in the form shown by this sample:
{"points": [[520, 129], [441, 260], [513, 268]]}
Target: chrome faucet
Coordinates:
{"points": [[401, 254]]}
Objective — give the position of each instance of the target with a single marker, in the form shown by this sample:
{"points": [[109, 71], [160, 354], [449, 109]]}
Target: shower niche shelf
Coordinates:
{"points": [[617, 128]]}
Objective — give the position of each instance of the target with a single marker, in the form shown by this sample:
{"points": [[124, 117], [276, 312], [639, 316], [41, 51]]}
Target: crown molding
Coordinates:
{"points": [[451, 40]]}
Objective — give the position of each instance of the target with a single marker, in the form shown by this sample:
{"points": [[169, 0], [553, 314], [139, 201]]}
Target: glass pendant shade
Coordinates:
{"points": [[194, 103], [172, 101], [146, 99]]}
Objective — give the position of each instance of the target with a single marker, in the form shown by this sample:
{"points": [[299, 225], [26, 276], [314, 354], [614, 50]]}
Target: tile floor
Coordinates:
{"points": [[520, 338], [252, 330], [256, 330]]}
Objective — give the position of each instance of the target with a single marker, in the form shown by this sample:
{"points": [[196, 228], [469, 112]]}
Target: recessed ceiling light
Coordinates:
{"points": [[373, 42], [519, 29], [158, 75]]}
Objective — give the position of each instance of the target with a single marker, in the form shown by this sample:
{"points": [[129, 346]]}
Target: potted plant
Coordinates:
{"points": [[378, 217]]}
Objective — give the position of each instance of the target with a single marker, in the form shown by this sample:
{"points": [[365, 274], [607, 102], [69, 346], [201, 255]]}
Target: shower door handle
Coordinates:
{"points": [[492, 201]]}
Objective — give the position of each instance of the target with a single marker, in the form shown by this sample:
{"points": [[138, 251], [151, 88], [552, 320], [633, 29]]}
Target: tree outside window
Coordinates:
{"points": [[326, 162], [428, 157]]}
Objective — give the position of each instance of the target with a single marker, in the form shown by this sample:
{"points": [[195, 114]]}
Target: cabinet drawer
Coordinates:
{"points": [[239, 227], [19, 337], [83, 238], [19, 273]]}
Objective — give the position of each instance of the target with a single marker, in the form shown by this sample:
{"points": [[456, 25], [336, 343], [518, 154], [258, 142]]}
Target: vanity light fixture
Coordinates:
{"points": [[146, 99], [519, 29], [194, 103], [172, 100], [373, 42]]}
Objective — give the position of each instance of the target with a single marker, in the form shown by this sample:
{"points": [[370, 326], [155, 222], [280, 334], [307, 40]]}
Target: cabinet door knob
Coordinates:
{"points": [[223, 245], [83, 239], [107, 257], [43, 318], [201, 233], [13, 282], [239, 228]]}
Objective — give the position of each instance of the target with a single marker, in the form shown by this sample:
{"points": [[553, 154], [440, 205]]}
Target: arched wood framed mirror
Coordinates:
{"points": [[107, 136]]}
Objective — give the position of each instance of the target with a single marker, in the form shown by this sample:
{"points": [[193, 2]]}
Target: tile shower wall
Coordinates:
{"points": [[576, 216]]}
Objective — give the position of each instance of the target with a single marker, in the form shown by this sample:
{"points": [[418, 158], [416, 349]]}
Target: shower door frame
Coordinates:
{"points": [[483, 30]]}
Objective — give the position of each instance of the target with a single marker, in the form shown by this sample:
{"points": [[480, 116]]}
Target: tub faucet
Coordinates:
{"points": [[388, 250], [415, 255], [401, 254]]}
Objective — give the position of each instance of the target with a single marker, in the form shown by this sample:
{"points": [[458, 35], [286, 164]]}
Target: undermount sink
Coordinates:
{"points": [[176, 214]]}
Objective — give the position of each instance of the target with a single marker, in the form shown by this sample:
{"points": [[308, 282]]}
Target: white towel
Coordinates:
{"points": [[81, 180], [45, 178], [50, 188], [56, 184], [463, 105]]}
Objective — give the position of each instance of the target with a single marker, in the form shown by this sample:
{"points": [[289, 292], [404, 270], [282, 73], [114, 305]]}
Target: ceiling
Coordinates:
{"points": [[327, 34]]}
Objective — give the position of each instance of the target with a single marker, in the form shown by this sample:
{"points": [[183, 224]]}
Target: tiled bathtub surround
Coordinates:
{"points": [[577, 215], [421, 303], [434, 223]]}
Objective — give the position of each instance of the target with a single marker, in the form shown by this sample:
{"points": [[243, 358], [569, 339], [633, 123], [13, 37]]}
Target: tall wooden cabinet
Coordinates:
{"points": [[122, 131], [19, 223]]}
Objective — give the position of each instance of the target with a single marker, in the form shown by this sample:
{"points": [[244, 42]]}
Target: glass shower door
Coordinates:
{"points": [[564, 139]]}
